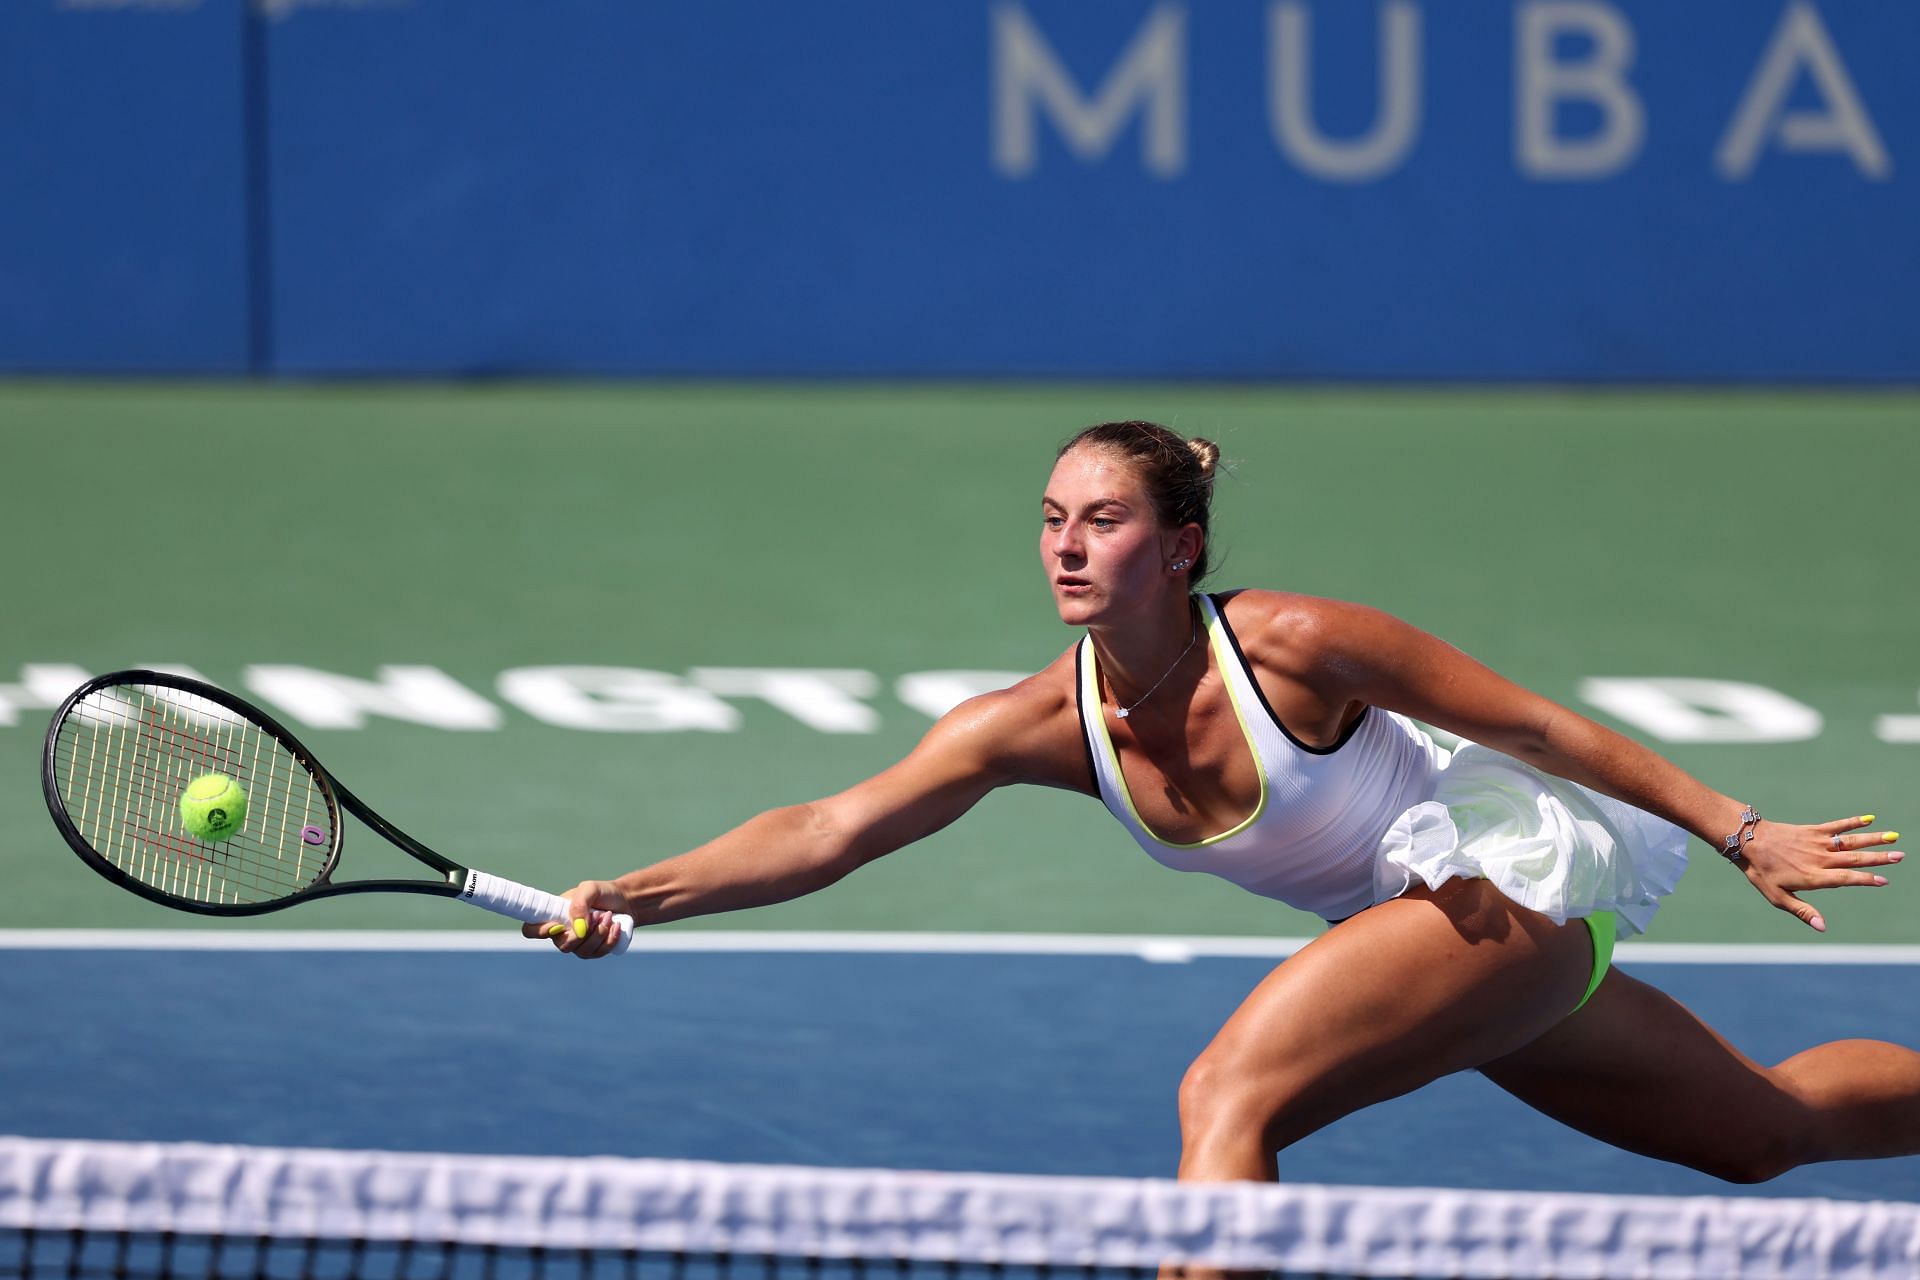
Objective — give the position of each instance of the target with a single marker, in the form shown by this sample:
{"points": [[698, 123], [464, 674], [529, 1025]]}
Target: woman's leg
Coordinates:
{"points": [[1635, 1068], [1405, 992]]}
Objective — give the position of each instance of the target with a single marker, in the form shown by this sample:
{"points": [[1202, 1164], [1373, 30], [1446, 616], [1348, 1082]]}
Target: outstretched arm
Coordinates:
{"points": [[1361, 654], [986, 742]]}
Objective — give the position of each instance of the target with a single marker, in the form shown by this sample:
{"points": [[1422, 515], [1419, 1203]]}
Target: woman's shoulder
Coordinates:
{"points": [[1031, 727], [1300, 634], [1271, 623]]}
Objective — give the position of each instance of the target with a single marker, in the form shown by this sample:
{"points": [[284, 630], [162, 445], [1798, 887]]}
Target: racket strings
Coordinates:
{"points": [[124, 755]]}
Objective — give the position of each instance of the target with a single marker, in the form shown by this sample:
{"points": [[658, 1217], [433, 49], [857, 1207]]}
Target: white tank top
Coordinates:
{"points": [[1312, 837]]}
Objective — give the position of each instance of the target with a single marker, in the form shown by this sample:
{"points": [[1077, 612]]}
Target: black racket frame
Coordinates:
{"points": [[336, 797]]}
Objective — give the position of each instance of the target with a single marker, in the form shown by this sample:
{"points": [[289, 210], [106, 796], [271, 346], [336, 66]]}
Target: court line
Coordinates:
{"points": [[1153, 948]]}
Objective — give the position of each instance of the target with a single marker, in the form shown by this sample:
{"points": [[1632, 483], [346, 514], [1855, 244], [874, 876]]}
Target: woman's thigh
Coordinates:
{"points": [[1433, 982], [1637, 1069]]}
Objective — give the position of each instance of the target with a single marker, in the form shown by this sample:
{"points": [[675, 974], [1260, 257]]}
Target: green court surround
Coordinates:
{"points": [[1757, 536]]}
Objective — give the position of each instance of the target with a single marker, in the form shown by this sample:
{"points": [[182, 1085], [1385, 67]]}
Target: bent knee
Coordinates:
{"points": [[1218, 1096], [1201, 1089], [1767, 1148], [1762, 1164]]}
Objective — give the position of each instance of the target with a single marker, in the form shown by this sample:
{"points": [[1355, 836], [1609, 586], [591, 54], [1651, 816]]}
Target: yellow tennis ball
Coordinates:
{"points": [[213, 807]]}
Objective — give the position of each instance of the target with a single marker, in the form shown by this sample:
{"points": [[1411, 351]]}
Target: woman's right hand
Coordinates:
{"points": [[589, 930]]}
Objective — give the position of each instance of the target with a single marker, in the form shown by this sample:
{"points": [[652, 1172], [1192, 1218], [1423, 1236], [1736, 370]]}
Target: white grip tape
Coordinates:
{"points": [[527, 904]]}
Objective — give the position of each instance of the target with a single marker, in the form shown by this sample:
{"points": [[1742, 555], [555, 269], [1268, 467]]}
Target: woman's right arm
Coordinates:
{"points": [[986, 742]]}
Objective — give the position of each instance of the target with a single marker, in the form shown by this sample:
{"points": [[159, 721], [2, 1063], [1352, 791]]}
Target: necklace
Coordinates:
{"points": [[1124, 712]]}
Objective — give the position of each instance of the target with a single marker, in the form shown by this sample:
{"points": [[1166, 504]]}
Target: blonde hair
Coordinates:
{"points": [[1177, 473]]}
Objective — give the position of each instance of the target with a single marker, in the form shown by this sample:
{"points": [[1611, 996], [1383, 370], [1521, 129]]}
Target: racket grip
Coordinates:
{"points": [[529, 905]]}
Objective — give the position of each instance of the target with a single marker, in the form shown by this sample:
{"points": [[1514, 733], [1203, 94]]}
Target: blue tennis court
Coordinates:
{"points": [[1014, 1063]]}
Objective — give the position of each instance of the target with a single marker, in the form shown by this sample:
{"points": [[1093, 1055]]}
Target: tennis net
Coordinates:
{"points": [[94, 1210]]}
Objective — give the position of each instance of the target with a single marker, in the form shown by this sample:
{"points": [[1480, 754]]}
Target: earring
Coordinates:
{"points": [[1178, 565]]}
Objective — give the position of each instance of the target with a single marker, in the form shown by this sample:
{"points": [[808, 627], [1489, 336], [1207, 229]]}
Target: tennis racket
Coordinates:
{"points": [[123, 747]]}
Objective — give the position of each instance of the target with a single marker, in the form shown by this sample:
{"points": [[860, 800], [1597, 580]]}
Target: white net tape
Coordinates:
{"points": [[673, 1205]]}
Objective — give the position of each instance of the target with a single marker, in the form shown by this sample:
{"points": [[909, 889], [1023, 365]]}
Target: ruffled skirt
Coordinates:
{"points": [[1545, 842]]}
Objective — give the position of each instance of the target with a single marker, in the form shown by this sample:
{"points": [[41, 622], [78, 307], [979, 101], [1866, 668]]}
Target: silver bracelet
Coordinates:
{"points": [[1733, 845]]}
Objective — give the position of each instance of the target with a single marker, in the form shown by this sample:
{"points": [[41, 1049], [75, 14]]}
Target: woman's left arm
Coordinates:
{"points": [[1361, 654]]}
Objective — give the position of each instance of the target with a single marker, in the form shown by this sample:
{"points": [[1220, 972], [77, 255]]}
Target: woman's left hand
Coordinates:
{"points": [[1783, 860]]}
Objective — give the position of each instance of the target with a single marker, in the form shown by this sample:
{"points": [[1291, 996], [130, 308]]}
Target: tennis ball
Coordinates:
{"points": [[213, 807]]}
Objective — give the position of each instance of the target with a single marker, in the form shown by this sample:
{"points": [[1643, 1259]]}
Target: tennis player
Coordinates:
{"points": [[1474, 896]]}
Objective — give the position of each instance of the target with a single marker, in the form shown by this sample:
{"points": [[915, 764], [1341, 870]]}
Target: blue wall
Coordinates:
{"points": [[122, 204], [775, 186]]}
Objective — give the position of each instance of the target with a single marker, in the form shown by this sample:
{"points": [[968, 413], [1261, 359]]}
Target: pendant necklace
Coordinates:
{"points": [[1124, 712]]}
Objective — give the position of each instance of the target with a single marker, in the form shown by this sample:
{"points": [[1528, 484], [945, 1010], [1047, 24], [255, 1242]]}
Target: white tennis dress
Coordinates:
{"points": [[1339, 828]]}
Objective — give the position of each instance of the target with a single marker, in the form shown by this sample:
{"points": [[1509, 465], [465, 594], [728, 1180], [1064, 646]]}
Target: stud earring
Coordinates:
{"points": [[1178, 565]]}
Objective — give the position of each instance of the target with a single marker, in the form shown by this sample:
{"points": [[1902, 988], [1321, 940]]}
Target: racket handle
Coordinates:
{"points": [[529, 905]]}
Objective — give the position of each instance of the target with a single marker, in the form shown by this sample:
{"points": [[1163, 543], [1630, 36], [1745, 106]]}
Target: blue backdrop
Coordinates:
{"points": [[1484, 189]]}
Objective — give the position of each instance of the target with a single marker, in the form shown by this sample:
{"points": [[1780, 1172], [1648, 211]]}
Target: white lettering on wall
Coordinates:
{"points": [[1542, 82], [615, 700], [823, 698], [1150, 79], [934, 693], [1676, 709], [1396, 124], [1569, 56], [1801, 44], [420, 695]]}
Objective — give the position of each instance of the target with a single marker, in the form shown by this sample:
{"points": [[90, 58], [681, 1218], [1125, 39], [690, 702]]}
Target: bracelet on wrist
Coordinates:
{"points": [[1732, 848]]}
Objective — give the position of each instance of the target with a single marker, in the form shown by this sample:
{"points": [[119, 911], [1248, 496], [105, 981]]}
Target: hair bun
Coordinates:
{"points": [[1208, 452]]}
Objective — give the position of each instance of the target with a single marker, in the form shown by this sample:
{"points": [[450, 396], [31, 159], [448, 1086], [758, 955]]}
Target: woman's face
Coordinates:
{"points": [[1100, 540]]}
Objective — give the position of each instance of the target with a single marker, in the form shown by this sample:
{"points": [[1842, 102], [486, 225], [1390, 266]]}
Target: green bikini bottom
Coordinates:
{"points": [[1600, 925]]}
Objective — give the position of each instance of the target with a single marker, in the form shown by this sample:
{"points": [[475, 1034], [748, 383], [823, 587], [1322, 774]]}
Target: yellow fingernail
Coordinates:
{"points": [[580, 927], [1867, 820], [553, 931], [1890, 837]]}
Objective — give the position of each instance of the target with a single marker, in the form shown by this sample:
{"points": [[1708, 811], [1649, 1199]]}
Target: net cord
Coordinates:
{"points": [[608, 1203]]}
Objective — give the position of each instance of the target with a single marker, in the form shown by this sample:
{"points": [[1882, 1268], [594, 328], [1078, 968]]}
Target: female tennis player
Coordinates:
{"points": [[1474, 896]]}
